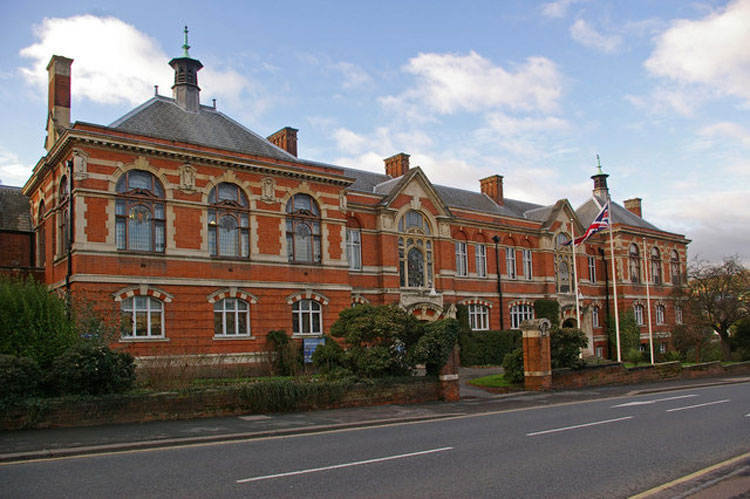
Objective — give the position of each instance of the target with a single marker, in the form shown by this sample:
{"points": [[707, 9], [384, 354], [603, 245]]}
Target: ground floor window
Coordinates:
{"points": [[479, 317], [520, 313], [638, 311], [231, 317], [142, 317], [307, 317]]}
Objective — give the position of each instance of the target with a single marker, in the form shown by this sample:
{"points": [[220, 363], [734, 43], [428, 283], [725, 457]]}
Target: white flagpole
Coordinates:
{"points": [[575, 275], [614, 276], [648, 301]]}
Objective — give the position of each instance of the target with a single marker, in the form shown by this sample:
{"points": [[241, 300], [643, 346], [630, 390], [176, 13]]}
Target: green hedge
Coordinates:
{"points": [[481, 348]]}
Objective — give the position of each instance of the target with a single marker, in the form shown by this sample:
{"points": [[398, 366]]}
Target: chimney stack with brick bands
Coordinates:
{"points": [[58, 108], [286, 139], [492, 186], [634, 206], [397, 165]]}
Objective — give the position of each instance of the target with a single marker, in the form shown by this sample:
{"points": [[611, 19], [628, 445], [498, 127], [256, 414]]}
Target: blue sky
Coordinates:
{"points": [[529, 90]]}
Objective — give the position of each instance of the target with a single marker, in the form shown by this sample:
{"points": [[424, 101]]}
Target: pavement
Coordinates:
{"points": [[729, 479]]}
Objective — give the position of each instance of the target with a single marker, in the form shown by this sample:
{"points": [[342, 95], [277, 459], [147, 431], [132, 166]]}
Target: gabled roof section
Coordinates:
{"points": [[618, 214], [553, 214], [396, 186], [15, 213], [161, 118]]}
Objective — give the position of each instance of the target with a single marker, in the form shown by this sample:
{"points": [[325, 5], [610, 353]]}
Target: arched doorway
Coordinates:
{"points": [[569, 322]]}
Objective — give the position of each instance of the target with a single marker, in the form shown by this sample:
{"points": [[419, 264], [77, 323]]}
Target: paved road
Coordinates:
{"points": [[601, 448]]}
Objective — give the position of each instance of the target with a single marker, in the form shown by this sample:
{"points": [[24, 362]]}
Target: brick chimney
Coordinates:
{"points": [[492, 186], [58, 107], [633, 206], [397, 165], [286, 139]]}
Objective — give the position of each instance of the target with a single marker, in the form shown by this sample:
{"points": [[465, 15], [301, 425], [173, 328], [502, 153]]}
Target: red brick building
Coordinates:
{"points": [[204, 236]]}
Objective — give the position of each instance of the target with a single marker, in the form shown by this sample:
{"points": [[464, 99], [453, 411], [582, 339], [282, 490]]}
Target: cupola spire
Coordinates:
{"points": [[600, 181], [185, 91]]}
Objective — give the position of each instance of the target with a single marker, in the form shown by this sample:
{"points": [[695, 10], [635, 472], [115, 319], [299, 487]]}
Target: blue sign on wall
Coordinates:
{"points": [[309, 345]]}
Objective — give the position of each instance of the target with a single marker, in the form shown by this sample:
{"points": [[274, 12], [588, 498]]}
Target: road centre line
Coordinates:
{"points": [[585, 425], [697, 405], [649, 402], [344, 465]]}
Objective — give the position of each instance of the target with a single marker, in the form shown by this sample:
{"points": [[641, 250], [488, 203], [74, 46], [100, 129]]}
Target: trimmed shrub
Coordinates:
{"points": [[289, 395], [513, 366], [331, 360], [548, 309], [19, 378], [34, 322], [377, 339], [287, 360], [481, 348], [630, 334], [565, 348], [90, 369], [434, 347]]}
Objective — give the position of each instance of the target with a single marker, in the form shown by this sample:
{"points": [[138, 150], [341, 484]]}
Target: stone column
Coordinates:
{"points": [[537, 363], [449, 385]]}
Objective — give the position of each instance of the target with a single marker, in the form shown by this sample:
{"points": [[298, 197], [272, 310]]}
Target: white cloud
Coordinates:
{"points": [[114, 62], [727, 129], [710, 52], [559, 8], [447, 83], [587, 36], [12, 170], [354, 76], [504, 125], [668, 100]]}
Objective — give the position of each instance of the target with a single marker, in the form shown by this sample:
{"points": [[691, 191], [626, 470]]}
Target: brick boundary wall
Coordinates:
{"points": [[207, 403], [618, 374]]}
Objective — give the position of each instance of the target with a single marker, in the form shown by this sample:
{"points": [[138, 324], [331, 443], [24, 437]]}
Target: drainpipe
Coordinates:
{"points": [[496, 239], [69, 242], [606, 300]]}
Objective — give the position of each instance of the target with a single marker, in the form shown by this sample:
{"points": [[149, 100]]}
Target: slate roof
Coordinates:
{"points": [[160, 117], [15, 213], [619, 215]]}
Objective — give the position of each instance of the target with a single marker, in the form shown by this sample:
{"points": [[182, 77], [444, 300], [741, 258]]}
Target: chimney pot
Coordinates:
{"points": [[397, 165], [286, 139], [634, 206], [492, 186]]}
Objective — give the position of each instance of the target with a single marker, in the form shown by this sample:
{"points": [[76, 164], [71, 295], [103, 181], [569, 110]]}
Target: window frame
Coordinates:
{"points": [[592, 268], [519, 313], [479, 317], [528, 263], [656, 277], [354, 248], [462, 262], [660, 313], [301, 315], [222, 208], [480, 259], [634, 260], [510, 263], [678, 315], [638, 313], [675, 268], [134, 310], [130, 200], [595, 317], [237, 312], [306, 218], [415, 236]]}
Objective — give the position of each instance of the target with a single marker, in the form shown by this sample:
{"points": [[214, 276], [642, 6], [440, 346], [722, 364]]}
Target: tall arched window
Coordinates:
{"points": [[63, 212], [353, 244], [139, 212], [674, 268], [563, 263], [228, 221], [655, 265], [41, 237], [303, 229], [414, 251], [635, 263], [462, 261]]}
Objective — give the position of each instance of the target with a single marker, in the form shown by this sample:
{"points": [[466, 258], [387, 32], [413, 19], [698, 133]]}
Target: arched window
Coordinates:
{"points": [[414, 251], [41, 237], [674, 268], [231, 317], [595, 316], [655, 265], [63, 213], [563, 263], [480, 257], [353, 244], [635, 263], [142, 316], [510, 260], [479, 317], [228, 221], [660, 314], [303, 229], [307, 317], [520, 313], [139, 212], [638, 311]]}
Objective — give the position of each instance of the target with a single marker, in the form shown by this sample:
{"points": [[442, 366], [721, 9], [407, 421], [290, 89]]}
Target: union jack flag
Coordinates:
{"points": [[600, 223]]}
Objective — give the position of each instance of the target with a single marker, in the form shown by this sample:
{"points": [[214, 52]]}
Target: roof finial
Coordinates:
{"points": [[598, 166], [186, 47]]}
